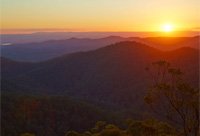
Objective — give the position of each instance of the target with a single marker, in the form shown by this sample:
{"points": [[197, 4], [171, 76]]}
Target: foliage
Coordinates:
{"points": [[150, 128], [27, 134], [173, 98], [135, 128], [48, 115], [169, 95]]}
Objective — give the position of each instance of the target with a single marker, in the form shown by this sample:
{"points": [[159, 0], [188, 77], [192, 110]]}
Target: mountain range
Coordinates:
{"points": [[114, 75], [40, 36], [75, 90], [42, 51]]}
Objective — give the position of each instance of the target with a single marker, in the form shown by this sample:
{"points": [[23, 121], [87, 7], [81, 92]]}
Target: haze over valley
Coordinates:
{"points": [[99, 67]]}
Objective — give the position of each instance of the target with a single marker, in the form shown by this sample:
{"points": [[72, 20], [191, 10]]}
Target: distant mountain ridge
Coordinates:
{"points": [[50, 49], [42, 51], [45, 36], [114, 74]]}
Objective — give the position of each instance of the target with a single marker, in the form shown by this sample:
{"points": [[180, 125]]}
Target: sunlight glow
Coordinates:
{"points": [[25, 16], [167, 27]]}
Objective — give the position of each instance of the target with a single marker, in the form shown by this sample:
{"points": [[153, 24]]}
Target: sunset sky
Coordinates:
{"points": [[99, 15]]}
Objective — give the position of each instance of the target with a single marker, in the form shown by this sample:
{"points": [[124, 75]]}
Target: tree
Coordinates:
{"points": [[27, 134], [111, 130], [99, 126], [170, 96], [150, 127], [72, 133]]}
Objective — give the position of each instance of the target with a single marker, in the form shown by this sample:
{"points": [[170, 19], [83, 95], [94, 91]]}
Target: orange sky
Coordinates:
{"points": [[98, 15]]}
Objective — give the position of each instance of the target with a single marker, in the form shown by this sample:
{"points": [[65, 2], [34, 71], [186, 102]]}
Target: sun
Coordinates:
{"points": [[167, 27]]}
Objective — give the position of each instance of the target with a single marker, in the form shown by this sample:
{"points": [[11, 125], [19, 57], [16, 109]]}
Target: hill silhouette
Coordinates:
{"points": [[114, 75], [42, 51]]}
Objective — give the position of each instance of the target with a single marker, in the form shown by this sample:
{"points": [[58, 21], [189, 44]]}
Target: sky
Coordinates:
{"points": [[99, 15]]}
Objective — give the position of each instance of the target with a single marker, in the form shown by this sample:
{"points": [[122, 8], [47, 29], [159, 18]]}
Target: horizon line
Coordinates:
{"points": [[33, 31]]}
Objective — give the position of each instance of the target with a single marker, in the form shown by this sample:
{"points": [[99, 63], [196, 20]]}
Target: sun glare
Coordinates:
{"points": [[167, 27]]}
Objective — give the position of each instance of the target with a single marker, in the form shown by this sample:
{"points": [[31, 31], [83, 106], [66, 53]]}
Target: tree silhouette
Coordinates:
{"points": [[150, 127], [27, 134], [170, 96], [72, 133]]}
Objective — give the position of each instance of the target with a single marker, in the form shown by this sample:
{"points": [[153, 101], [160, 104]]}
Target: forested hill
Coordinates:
{"points": [[74, 91], [114, 74]]}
